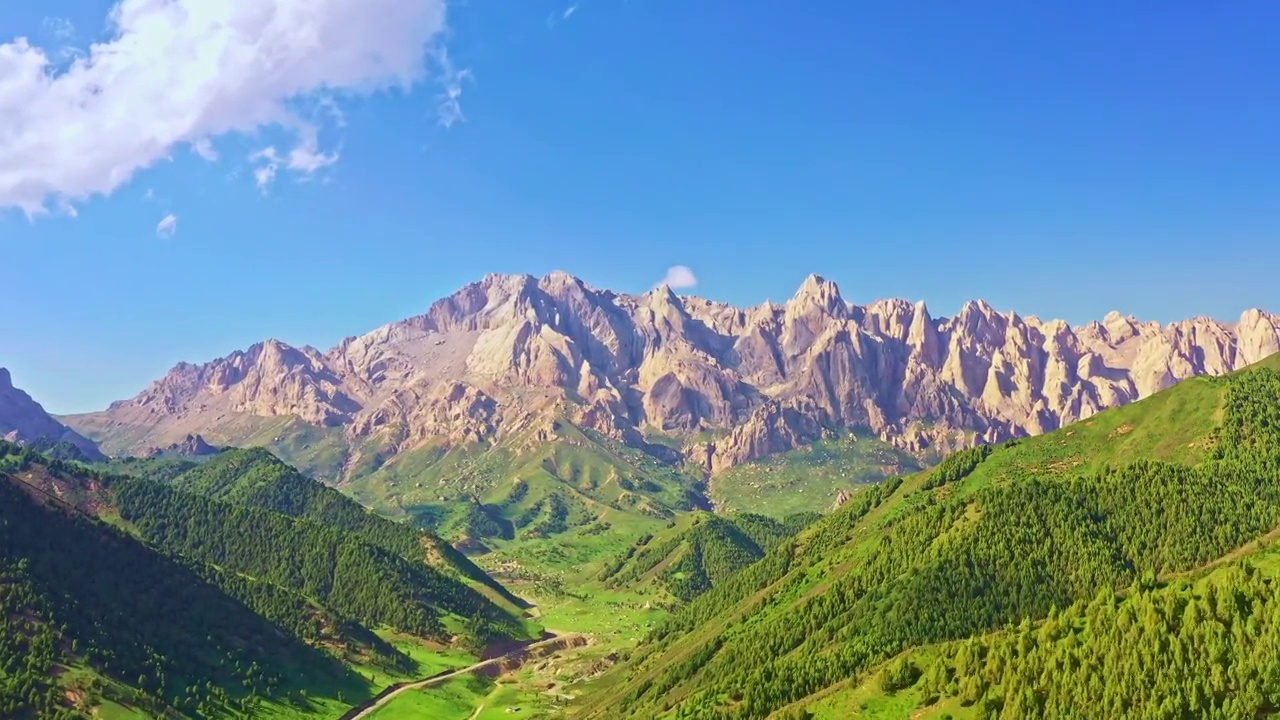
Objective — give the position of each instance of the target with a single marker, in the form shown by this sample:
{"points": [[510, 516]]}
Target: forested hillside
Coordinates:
{"points": [[984, 541], [337, 568], [108, 615], [691, 561], [257, 479], [298, 597]]}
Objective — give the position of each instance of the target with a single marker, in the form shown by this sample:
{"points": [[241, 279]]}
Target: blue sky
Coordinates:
{"points": [[1061, 161]]}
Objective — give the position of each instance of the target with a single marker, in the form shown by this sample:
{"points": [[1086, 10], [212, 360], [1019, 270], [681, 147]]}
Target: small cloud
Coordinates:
{"points": [[679, 277], [167, 227], [326, 105], [305, 158], [568, 12], [60, 29], [149, 195], [449, 101], [204, 148], [265, 174]]}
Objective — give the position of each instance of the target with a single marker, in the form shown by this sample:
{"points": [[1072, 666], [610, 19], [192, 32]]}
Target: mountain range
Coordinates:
{"points": [[511, 359], [24, 420]]}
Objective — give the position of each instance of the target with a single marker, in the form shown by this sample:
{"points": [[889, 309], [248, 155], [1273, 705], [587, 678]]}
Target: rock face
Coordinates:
{"points": [[512, 356], [23, 420], [190, 446]]}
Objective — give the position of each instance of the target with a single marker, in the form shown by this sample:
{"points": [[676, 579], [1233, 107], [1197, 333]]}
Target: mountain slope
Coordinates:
{"points": [[327, 579], [692, 560], [984, 540], [255, 478], [1219, 632], [512, 360], [23, 420], [814, 478], [78, 628]]}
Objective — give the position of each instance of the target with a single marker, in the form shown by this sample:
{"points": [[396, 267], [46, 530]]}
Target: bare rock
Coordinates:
{"points": [[511, 355]]}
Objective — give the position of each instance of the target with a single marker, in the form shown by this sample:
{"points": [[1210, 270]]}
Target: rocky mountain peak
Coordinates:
{"points": [[190, 446], [512, 352], [818, 293], [24, 420]]}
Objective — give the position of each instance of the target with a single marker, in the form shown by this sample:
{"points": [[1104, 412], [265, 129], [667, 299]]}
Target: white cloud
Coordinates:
{"points": [[167, 227], [178, 72], [448, 102], [204, 148], [305, 158], [679, 277], [568, 12]]}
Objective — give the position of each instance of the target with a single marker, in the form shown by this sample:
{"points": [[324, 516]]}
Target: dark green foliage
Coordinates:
{"points": [[951, 565], [337, 568], [159, 469], [899, 674], [795, 522], [59, 450], [833, 531], [549, 515], [255, 478], [305, 619], [223, 620], [703, 555], [956, 466], [1180, 651], [28, 649], [1251, 425], [14, 457], [473, 520], [76, 590]]}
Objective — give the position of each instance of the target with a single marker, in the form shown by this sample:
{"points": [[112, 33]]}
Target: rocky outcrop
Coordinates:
{"points": [[772, 428], [511, 356], [190, 446], [23, 420]]}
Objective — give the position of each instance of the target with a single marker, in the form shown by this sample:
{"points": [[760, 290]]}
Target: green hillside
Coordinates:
{"points": [[527, 489], [809, 479], [362, 600], [80, 634], [688, 561], [1219, 634], [257, 479], [537, 509], [984, 541]]}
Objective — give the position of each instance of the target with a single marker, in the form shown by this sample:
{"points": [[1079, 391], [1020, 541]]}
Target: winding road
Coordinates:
{"points": [[369, 708]]}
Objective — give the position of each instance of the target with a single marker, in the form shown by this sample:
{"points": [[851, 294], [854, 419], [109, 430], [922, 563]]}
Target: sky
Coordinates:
{"points": [[182, 178]]}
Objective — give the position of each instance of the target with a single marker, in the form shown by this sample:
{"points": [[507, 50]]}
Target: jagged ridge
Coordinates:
{"points": [[505, 357]]}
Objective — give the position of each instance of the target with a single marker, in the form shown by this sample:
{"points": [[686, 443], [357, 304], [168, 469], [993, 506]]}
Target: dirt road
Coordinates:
{"points": [[389, 694]]}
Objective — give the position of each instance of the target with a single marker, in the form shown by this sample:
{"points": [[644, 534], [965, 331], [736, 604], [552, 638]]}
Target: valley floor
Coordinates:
{"points": [[591, 625]]}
